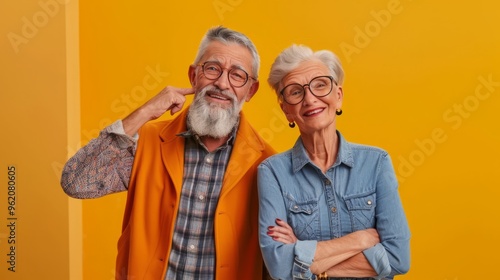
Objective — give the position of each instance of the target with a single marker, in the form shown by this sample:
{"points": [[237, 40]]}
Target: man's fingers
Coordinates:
{"points": [[186, 91], [175, 108]]}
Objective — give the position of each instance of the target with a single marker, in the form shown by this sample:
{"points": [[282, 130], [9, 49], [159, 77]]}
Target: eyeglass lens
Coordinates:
{"points": [[237, 77], [319, 86]]}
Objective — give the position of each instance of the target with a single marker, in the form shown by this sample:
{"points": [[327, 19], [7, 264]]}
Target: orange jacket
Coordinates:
{"points": [[153, 200]]}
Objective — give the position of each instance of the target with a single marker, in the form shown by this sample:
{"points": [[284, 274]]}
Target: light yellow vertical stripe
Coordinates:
{"points": [[73, 123]]}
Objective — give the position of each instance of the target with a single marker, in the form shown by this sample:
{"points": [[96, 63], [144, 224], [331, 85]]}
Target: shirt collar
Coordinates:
{"points": [[300, 157]]}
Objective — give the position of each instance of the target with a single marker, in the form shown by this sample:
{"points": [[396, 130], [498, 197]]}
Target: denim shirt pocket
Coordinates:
{"points": [[361, 209], [303, 216]]}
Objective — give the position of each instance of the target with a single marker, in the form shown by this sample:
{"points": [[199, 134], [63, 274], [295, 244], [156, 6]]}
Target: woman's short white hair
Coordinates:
{"points": [[289, 59]]}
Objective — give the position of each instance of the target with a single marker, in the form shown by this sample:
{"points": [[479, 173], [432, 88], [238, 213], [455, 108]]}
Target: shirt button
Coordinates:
{"points": [[334, 209], [295, 207], [201, 197], [192, 247], [327, 182], [369, 202], [208, 160]]}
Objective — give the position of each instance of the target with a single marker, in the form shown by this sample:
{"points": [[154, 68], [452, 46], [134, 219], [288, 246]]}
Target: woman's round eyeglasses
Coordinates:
{"points": [[319, 86]]}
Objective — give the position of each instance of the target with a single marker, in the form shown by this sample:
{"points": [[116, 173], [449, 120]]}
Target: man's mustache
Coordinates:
{"points": [[215, 90]]}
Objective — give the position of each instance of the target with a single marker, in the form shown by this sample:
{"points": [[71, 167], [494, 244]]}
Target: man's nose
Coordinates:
{"points": [[223, 81]]}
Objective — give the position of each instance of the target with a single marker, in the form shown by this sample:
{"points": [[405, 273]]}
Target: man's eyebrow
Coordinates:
{"points": [[234, 66]]}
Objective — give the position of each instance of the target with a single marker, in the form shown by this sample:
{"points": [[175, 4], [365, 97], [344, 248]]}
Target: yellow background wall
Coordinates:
{"points": [[415, 74], [40, 228], [422, 81]]}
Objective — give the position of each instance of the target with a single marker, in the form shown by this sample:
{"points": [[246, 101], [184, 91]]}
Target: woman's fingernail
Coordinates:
{"points": [[270, 232], [270, 228], [278, 220]]}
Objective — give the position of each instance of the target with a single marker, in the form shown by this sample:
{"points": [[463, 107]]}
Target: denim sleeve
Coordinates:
{"points": [[392, 255], [304, 255], [101, 167], [283, 261]]}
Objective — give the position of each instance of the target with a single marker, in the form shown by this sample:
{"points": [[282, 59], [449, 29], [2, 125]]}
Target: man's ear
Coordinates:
{"points": [[192, 75], [253, 89]]}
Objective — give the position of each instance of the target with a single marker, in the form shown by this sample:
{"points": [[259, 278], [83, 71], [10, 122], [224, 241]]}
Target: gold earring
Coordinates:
{"points": [[338, 112], [291, 124]]}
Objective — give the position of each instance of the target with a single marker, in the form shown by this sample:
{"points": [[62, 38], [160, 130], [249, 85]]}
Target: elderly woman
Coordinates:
{"points": [[329, 209]]}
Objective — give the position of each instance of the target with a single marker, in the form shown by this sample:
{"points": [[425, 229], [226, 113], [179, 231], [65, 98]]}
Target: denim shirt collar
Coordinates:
{"points": [[300, 157]]}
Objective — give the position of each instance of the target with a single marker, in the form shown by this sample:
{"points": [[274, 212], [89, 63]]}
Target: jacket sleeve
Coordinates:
{"points": [[102, 166]]}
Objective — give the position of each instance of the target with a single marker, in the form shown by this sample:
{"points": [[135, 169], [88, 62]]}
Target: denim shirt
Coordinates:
{"points": [[358, 192]]}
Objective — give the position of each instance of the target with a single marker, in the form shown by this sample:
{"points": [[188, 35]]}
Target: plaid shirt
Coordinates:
{"points": [[193, 247]]}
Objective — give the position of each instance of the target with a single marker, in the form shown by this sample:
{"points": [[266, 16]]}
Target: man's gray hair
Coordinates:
{"points": [[227, 36]]}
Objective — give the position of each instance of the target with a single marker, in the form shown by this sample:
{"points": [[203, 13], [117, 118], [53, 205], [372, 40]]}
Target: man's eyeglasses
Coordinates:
{"points": [[236, 76], [319, 86]]}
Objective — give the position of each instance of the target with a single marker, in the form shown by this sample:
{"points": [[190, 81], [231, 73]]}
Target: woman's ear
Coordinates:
{"points": [[340, 95], [284, 108]]}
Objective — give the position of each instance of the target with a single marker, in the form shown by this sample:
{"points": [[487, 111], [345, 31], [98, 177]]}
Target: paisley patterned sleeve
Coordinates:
{"points": [[102, 166]]}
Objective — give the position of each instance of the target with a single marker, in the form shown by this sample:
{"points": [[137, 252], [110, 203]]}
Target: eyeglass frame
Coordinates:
{"points": [[308, 85], [248, 77]]}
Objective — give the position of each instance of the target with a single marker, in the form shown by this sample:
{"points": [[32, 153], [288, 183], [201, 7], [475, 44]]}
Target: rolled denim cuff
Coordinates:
{"points": [[304, 255], [301, 270], [378, 259]]}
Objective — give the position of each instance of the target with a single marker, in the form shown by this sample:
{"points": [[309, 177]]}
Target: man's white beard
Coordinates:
{"points": [[212, 119]]}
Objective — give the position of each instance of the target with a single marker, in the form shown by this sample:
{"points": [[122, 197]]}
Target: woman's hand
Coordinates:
{"points": [[282, 232]]}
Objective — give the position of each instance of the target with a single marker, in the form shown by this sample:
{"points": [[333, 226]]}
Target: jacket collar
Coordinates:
{"points": [[247, 149]]}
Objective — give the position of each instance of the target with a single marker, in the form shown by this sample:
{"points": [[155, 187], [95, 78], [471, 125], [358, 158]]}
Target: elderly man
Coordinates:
{"points": [[192, 208]]}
